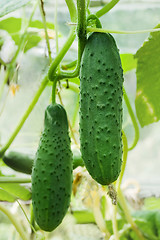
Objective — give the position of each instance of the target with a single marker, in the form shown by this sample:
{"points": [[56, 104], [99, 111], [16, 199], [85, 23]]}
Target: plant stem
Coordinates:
{"points": [[68, 43], [98, 216], [133, 118], [71, 130], [24, 36], [106, 8], [81, 27], [41, 7], [4, 82], [20, 47], [32, 221], [15, 222], [72, 86], [76, 110], [25, 116], [69, 65], [125, 154], [72, 10], [54, 91], [82, 37], [128, 216], [114, 222], [59, 57], [91, 29], [56, 27], [14, 180]]}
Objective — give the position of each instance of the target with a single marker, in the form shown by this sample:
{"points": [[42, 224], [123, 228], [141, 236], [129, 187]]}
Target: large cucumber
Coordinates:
{"points": [[101, 80], [52, 170]]}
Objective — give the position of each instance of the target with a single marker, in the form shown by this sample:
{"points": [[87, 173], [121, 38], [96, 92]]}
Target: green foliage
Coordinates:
{"points": [[148, 81], [11, 25], [128, 62], [11, 191], [152, 203], [84, 216], [32, 41], [5, 196], [38, 24], [8, 6], [101, 81], [14, 27]]}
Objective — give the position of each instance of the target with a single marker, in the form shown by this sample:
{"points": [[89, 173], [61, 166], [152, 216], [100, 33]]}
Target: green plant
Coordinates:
{"points": [[59, 72]]}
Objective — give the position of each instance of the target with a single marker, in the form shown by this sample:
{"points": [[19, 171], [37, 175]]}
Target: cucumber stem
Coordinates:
{"points": [[24, 36], [106, 8], [41, 7], [124, 161], [70, 127], [20, 47], [25, 116], [72, 10], [15, 222], [114, 222], [14, 180], [91, 29], [133, 118], [82, 37], [128, 215], [4, 82], [54, 91], [68, 43], [59, 57]]}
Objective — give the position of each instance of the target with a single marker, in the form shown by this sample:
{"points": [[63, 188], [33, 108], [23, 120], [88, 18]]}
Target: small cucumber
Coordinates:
{"points": [[52, 170], [18, 161], [101, 80], [22, 162]]}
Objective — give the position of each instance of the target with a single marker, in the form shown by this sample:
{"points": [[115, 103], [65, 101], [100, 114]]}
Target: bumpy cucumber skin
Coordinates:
{"points": [[52, 170], [101, 80], [18, 161]]}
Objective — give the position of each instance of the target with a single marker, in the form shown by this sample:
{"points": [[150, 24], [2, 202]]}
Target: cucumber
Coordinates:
{"points": [[22, 162], [52, 170], [18, 161], [101, 81]]}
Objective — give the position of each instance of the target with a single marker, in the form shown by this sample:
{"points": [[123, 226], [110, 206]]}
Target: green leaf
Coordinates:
{"points": [[5, 196], [84, 216], [11, 25], [39, 24], [145, 220], [32, 41], [148, 80], [7, 6], [128, 62], [146, 229], [152, 203], [16, 191]]}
